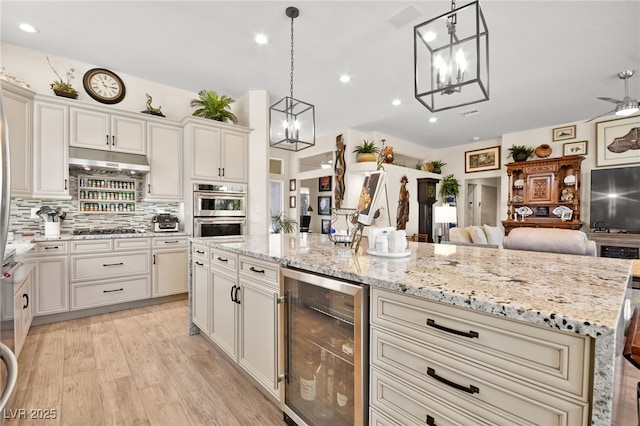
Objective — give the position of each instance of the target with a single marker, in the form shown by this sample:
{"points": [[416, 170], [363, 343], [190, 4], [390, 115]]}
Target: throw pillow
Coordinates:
{"points": [[459, 235], [494, 235], [477, 235]]}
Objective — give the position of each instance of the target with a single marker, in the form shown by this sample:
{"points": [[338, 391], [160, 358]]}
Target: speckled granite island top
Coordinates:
{"points": [[577, 294]]}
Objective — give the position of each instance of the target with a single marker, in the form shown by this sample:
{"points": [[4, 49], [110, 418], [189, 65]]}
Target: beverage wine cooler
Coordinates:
{"points": [[326, 350]]}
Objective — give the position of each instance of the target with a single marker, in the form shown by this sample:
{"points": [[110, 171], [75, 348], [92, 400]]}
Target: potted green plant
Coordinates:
{"points": [[520, 152], [449, 187], [61, 87], [281, 223], [367, 151], [437, 166], [213, 106]]}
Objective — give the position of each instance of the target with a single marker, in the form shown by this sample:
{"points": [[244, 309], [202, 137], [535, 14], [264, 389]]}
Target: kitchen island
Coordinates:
{"points": [[573, 294]]}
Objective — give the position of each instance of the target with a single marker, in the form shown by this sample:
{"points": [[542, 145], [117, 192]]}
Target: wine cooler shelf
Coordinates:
{"points": [[97, 195]]}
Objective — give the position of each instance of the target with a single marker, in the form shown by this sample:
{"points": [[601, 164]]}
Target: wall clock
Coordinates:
{"points": [[104, 86]]}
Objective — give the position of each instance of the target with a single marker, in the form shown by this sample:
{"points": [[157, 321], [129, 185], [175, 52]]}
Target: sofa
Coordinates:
{"points": [[479, 236], [550, 240]]}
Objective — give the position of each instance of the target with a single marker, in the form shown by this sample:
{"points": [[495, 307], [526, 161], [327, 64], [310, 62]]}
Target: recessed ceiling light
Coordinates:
{"points": [[396, 102], [433, 119], [475, 138], [261, 39], [344, 78], [429, 36], [28, 28]]}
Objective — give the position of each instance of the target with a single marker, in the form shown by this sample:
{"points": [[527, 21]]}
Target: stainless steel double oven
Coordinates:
{"points": [[219, 210]]}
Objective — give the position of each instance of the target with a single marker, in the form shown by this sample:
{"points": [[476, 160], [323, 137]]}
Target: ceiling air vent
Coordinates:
{"points": [[470, 113]]}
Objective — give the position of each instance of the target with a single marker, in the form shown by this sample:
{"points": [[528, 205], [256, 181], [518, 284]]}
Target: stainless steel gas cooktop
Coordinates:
{"points": [[106, 231]]}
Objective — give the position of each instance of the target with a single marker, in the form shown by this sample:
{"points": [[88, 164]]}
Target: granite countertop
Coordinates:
{"points": [[577, 294], [574, 293]]}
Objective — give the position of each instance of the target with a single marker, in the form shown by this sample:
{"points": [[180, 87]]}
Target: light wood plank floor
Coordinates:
{"points": [[134, 367]]}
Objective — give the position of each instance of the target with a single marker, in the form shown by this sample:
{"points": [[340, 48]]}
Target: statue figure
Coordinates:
{"points": [[339, 169], [403, 205], [151, 110]]}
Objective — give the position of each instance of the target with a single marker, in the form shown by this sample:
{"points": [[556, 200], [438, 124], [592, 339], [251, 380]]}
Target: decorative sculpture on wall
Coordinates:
{"points": [[340, 169], [151, 110], [403, 205]]}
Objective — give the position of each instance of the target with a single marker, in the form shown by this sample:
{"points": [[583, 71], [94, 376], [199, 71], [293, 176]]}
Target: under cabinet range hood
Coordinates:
{"points": [[94, 159]]}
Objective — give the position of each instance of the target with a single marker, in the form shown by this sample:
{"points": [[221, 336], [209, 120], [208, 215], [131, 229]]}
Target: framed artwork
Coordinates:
{"points": [[326, 226], [372, 187], [564, 133], [292, 184], [617, 141], [324, 206], [292, 202], [575, 148], [324, 183], [481, 160]]}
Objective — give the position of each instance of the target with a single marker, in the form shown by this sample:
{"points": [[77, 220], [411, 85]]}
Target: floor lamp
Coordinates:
{"points": [[445, 214]]}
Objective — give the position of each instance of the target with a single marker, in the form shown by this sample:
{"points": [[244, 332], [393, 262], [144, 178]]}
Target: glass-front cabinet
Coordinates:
{"points": [[326, 350]]}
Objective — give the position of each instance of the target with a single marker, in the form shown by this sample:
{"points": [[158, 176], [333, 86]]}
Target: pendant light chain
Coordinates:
{"points": [[291, 75]]}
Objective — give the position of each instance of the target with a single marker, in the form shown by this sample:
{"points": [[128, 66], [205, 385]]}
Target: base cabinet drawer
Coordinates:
{"points": [[485, 392], [111, 266], [91, 295], [124, 244]]}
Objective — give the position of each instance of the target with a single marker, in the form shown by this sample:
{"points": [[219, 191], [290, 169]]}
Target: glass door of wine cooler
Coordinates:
{"points": [[326, 350]]}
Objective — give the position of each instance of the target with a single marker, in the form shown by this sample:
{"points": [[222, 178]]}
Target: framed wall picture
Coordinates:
{"points": [[292, 184], [324, 183], [292, 202], [564, 133], [617, 141], [324, 206], [326, 226], [575, 148], [481, 160]]}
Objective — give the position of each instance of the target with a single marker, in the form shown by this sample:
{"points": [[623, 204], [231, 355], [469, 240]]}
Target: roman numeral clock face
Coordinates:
{"points": [[103, 86]]}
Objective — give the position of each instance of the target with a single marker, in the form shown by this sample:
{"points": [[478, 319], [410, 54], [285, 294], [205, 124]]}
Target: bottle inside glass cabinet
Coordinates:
{"points": [[325, 350]]}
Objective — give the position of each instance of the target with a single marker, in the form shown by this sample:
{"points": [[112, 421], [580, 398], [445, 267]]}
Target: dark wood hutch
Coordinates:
{"points": [[540, 191]]}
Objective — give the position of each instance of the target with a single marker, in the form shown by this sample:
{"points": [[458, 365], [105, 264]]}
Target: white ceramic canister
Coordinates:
{"points": [[382, 242], [397, 241], [52, 229]]}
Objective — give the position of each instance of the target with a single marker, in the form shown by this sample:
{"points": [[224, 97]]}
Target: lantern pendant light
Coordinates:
{"points": [[292, 121]]}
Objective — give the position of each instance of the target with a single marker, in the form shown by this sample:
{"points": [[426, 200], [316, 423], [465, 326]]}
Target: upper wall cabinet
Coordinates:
{"points": [[50, 149], [18, 105], [164, 181], [98, 129], [216, 151]]}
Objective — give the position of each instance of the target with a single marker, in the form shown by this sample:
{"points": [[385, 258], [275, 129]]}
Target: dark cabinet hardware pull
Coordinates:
{"points": [[113, 140], [26, 304], [51, 248], [199, 252], [431, 421], [236, 295], [65, 184], [223, 172], [171, 242], [471, 389], [111, 291], [233, 290], [107, 136], [199, 264], [148, 188], [154, 259], [219, 172], [113, 264], [259, 271], [222, 259], [471, 334]]}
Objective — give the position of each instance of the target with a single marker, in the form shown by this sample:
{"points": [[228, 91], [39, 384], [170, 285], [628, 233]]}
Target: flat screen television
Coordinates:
{"points": [[615, 199]]}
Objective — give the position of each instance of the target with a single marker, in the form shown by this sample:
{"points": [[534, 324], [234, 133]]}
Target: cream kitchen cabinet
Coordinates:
{"points": [[217, 151], [109, 271], [165, 151], [97, 129], [50, 149], [170, 267], [258, 327], [200, 288], [18, 106], [224, 301], [452, 365], [52, 278], [22, 312]]}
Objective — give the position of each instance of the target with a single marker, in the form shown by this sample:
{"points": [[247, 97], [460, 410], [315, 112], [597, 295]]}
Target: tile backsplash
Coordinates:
{"points": [[21, 221]]}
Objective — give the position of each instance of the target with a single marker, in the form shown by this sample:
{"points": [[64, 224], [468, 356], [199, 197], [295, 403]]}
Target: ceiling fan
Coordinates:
{"points": [[626, 106]]}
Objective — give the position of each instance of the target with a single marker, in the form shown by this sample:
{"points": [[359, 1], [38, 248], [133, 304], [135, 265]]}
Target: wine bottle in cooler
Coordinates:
{"points": [[308, 380], [323, 407]]}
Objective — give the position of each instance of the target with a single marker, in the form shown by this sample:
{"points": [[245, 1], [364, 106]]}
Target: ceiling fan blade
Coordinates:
{"points": [[615, 101], [601, 115]]}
